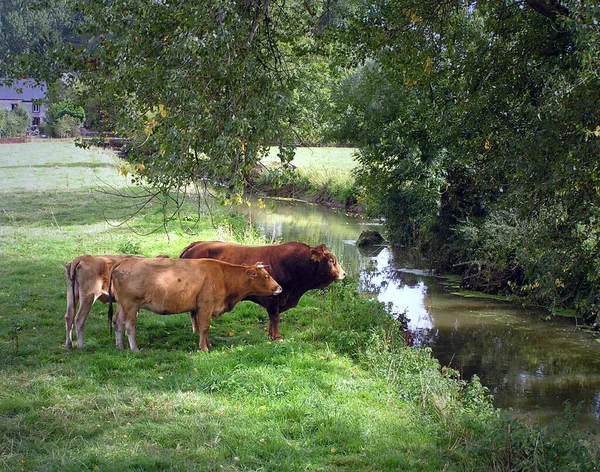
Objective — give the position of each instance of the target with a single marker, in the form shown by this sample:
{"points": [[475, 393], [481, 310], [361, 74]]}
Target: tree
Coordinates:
{"points": [[198, 88], [493, 107], [31, 32]]}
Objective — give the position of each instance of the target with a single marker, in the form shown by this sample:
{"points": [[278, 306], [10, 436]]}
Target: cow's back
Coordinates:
{"points": [[286, 262], [91, 272]]}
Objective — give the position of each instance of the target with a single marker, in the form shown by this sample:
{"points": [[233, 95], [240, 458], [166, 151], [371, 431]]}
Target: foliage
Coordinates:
{"points": [[513, 445], [463, 110], [322, 174], [239, 76], [231, 89], [31, 32], [65, 127], [488, 249], [484, 108], [63, 118], [15, 122]]}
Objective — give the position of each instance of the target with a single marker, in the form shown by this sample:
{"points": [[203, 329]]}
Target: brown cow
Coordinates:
{"points": [[296, 266], [87, 281], [206, 288]]}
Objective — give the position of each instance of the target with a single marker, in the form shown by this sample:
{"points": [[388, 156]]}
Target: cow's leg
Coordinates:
{"points": [[203, 323], [130, 330], [85, 305], [129, 318], [118, 324], [274, 319], [72, 298]]}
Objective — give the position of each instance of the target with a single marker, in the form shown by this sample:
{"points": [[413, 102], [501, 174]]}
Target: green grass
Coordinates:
{"points": [[323, 174], [341, 393], [338, 159]]}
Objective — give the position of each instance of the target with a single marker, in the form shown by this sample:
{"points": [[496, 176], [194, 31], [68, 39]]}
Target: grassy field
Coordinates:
{"points": [[339, 159], [321, 174], [341, 393]]}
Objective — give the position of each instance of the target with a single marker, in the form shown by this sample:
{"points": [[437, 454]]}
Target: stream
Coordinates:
{"points": [[531, 365]]}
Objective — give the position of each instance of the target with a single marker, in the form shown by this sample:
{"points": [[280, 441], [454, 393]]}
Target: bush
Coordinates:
{"points": [[64, 118], [547, 258], [511, 444], [14, 123], [66, 127], [487, 247]]}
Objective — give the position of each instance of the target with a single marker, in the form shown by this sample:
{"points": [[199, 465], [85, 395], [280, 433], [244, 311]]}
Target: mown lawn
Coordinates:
{"points": [[341, 393]]}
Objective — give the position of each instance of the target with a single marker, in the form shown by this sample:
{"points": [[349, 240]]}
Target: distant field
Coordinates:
{"points": [[319, 157]]}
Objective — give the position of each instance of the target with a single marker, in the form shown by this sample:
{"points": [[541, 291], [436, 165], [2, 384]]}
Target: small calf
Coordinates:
{"points": [[205, 287]]}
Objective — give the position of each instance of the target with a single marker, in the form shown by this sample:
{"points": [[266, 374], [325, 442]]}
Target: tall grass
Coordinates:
{"points": [[341, 393]]}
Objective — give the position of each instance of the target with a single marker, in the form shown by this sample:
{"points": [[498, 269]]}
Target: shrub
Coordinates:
{"points": [[545, 257], [487, 248], [66, 127], [14, 123], [511, 444], [63, 118]]}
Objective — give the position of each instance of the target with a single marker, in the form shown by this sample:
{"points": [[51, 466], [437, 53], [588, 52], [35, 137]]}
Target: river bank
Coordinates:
{"points": [[531, 364]]}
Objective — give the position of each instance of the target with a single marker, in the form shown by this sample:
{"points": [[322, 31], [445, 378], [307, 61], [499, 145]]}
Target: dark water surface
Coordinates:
{"points": [[531, 366]]}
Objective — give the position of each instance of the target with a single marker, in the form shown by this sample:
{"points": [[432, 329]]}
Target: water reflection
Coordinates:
{"points": [[530, 365], [404, 291]]}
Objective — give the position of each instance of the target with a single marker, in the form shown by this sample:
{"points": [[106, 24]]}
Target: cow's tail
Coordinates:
{"points": [[111, 299], [70, 288], [71, 272], [110, 317]]}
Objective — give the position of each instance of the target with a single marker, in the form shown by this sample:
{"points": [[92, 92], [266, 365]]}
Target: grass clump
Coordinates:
{"points": [[341, 393]]}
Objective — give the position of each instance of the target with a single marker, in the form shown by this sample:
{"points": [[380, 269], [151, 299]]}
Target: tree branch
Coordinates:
{"points": [[548, 8]]}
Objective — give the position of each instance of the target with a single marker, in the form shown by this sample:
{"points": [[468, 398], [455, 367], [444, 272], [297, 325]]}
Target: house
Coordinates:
{"points": [[25, 93]]}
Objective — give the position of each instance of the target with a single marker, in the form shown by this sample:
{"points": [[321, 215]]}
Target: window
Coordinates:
{"points": [[14, 106], [35, 108]]}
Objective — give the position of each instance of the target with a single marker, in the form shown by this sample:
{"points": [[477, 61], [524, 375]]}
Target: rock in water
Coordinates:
{"points": [[369, 238]]}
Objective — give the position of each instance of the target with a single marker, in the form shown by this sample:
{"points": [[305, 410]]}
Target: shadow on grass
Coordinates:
{"points": [[168, 407], [66, 208]]}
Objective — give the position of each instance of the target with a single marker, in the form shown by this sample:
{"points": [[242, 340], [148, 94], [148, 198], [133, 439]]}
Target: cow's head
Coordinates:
{"points": [[261, 281], [326, 258]]}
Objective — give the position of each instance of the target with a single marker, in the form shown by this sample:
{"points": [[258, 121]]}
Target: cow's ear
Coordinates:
{"points": [[252, 273], [317, 253]]}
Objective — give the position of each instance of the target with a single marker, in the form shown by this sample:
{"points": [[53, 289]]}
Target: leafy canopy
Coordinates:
{"points": [[199, 88]]}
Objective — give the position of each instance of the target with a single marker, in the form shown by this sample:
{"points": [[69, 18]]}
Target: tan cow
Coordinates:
{"points": [[205, 287], [87, 281]]}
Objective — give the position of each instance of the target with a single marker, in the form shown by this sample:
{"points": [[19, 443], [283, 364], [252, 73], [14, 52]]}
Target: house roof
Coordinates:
{"points": [[24, 90]]}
